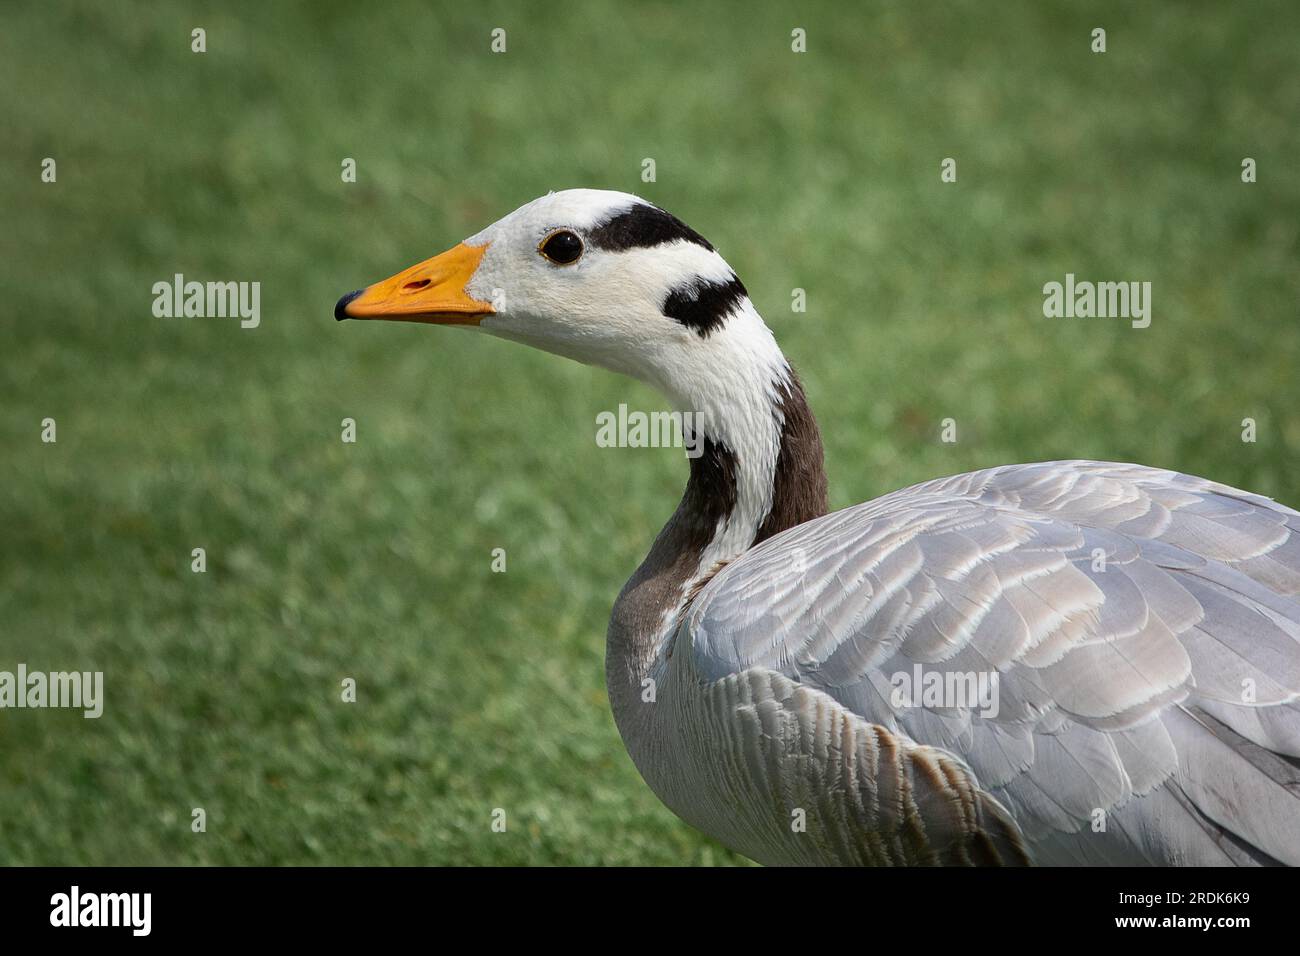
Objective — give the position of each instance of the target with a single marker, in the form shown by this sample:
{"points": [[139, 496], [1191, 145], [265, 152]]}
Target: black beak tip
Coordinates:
{"points": [[339, 314]]}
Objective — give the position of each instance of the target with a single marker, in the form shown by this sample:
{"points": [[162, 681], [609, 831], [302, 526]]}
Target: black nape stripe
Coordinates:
{"points": [[642, 226], [702, 304], [711, 494], [799, 481]]}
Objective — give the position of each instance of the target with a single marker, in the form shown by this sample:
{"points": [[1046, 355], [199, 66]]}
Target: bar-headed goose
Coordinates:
{"points": [[1062, 662]]}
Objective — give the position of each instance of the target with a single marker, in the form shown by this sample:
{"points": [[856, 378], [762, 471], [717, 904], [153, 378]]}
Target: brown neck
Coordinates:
{"points": [[799, 481], [798, 489], [708, 530]]}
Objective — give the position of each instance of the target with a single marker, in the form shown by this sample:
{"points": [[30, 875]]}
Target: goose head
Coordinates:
{"points": [[611, 280], [605, 278]]}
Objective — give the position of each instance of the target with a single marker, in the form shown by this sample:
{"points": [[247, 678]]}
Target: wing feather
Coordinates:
{"points": [[1142, 627]]}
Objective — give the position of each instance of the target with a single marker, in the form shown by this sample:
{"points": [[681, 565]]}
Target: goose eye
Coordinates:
{"points": [[561, 247]]}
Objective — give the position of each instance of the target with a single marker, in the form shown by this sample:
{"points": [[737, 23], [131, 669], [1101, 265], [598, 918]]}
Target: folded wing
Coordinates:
{"points": [[1112, 651]]}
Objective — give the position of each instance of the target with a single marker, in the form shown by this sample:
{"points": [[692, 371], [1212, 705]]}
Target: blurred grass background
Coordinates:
{"points": [[479, 690]]}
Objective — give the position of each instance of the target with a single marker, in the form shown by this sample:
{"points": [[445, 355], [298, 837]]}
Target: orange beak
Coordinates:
{"points": [[433, 291]]}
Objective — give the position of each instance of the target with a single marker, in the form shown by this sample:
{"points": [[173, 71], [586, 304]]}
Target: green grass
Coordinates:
{"points": [[372, 561]]}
